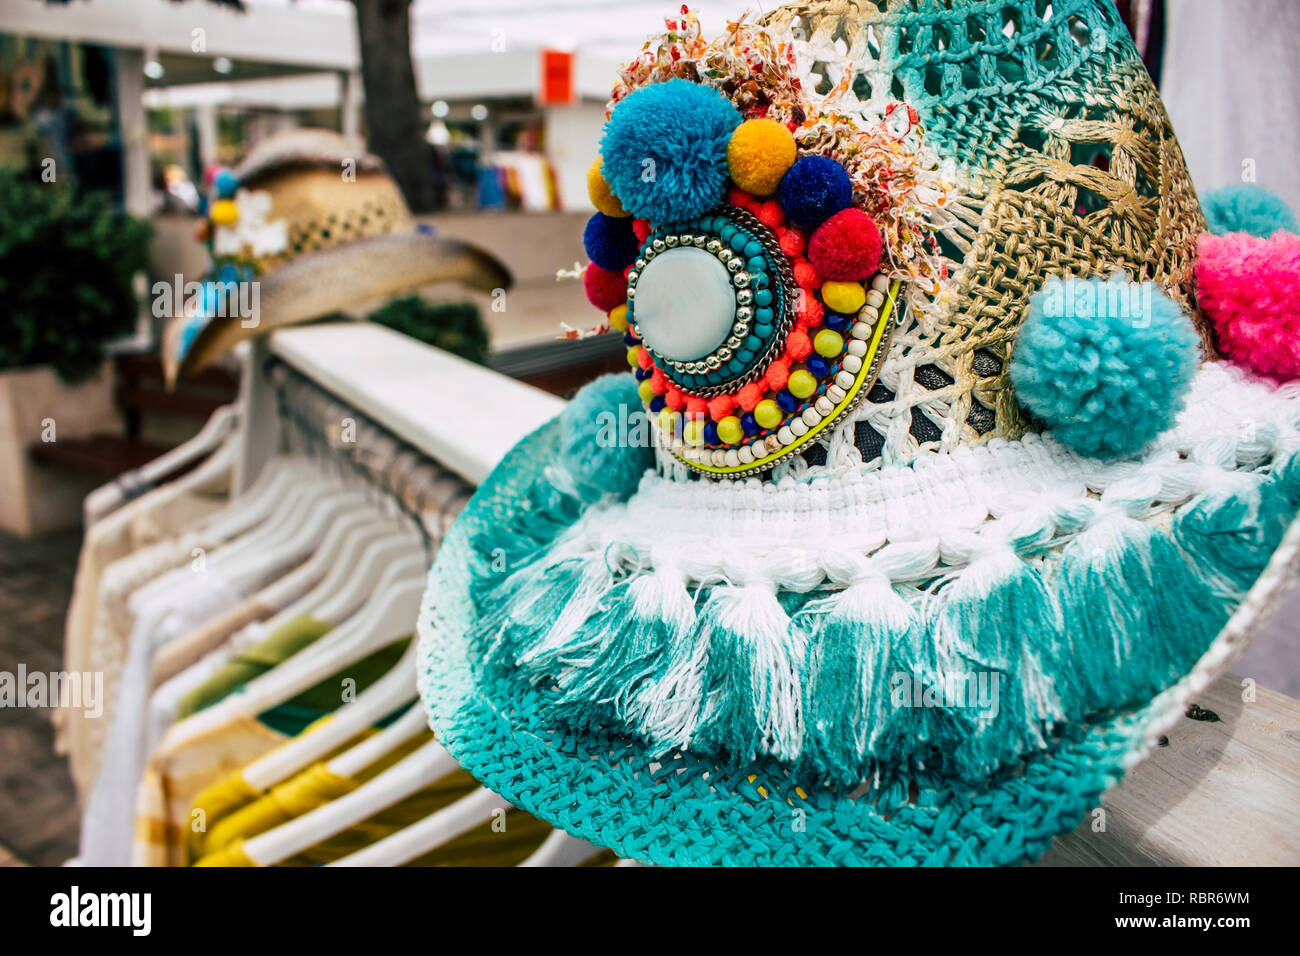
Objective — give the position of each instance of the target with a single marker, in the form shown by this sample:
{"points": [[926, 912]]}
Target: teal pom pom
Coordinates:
{"points": [[1249, 209], [605, 448], [664, 152], [1104, 363]]}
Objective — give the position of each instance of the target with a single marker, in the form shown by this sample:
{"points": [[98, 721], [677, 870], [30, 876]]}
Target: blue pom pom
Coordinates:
{"points": [[664, 152], [226, 183], [1248, 209], [603, 448], [1104, 363], [610, 242], [814, 189]]}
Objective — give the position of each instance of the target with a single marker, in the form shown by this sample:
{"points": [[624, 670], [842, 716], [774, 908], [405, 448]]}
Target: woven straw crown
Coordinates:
{"points": [[1067, 164]]}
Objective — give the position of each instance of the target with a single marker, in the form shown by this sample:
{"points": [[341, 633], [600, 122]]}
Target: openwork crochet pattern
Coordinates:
{"points": [[1068, 166]]}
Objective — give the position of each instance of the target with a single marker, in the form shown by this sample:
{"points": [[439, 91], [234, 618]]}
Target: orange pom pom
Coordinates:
{"points": [[749, 396], [778, 373], [658, 382], [808, 310], [696, 407], [797, 345], [673, 399], [721, 406], [791, 241], [806, 275], [770, 214], [644, 358]]}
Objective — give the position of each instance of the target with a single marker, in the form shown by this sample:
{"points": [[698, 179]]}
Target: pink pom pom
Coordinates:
{"points": [[1250, 289], [605, 290], [749, 396], [721, 406], [846, 246]]}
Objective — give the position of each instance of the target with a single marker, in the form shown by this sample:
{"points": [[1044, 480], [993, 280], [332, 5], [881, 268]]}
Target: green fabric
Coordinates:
{"points": [[274, 649], [293, 716]]}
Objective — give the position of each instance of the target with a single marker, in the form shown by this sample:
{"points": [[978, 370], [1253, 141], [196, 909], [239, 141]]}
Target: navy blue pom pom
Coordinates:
{"points": [[610, 242], [814, 189]]}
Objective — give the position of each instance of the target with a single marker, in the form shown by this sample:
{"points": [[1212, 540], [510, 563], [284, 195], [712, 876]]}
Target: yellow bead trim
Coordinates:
{"points": [[868, 365]]}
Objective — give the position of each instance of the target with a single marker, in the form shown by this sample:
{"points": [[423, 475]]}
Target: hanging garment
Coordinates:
{"points": [[505, 841], [185, 763], [187, 651], [158, 514], [106, 825], [107, 650]]}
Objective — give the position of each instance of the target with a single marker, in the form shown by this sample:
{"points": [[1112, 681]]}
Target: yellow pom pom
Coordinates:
{"points": [[844, 297], [645, 391], [224, 212], [758, 154], [601, 196], [618, 318], [693, 433]]}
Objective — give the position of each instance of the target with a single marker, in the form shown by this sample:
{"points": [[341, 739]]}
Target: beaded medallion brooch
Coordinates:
{"points": [[752, 243]]}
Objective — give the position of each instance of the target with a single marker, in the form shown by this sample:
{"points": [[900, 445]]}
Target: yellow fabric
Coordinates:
{"points": [[232, 855], [505, 841], [178, 771], [217, 800]]}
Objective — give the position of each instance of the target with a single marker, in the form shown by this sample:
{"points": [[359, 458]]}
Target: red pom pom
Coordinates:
{"points": [[605, 290], [721, 406], [641, 228], [770, 214], [808, 310], [846, 247], [644, 359], [749, 396], [797, 345], [673, 399], [791, 241], [658, 382], [806, 275], [778, 373], [696, 407]]}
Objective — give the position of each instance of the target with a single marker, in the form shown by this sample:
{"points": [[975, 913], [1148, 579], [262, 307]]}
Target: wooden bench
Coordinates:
{"points": [[140, 390], [1223, 791]]}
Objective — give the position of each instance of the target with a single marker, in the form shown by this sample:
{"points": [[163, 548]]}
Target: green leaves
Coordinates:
{"points": [[66, 268]]}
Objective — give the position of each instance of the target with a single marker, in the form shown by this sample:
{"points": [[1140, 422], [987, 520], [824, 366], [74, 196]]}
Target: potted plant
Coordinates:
{"points": [[67, 266]]}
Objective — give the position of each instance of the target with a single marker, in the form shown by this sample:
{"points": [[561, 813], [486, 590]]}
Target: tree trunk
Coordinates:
{"points": [[394, 124]]}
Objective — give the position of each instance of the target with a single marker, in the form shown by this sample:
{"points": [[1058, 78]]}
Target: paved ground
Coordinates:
{"points": [[38, 809]]}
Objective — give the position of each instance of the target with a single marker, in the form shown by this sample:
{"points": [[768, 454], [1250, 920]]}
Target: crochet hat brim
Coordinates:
{"points": [[331, 280], [1229, 473]]}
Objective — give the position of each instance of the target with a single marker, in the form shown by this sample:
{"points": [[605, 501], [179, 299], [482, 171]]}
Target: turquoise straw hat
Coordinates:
{"points": [[928, 503]]}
